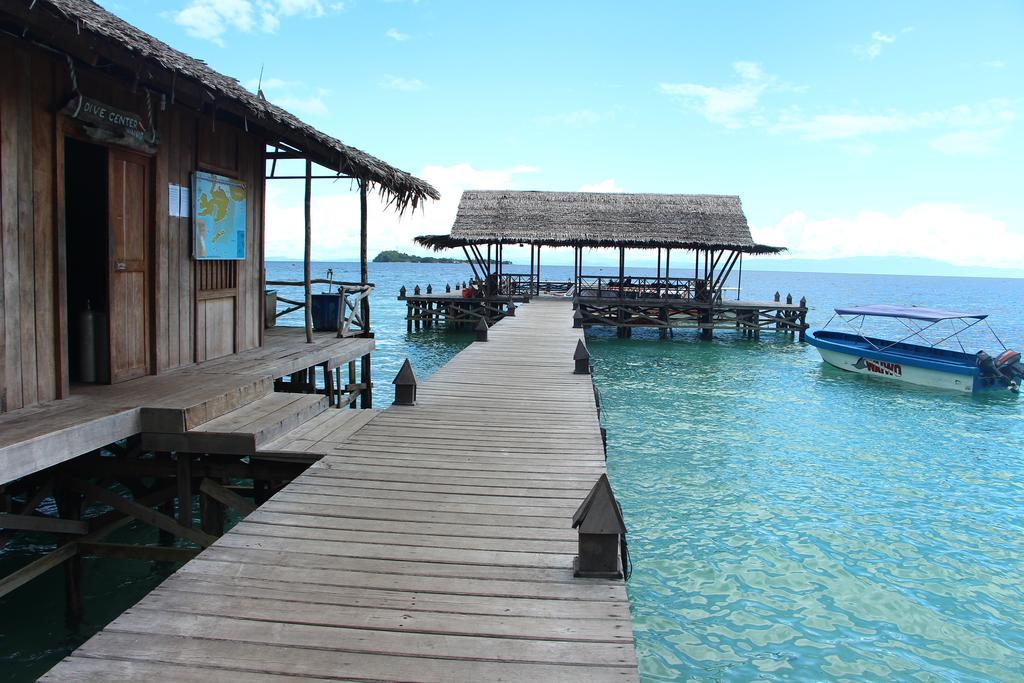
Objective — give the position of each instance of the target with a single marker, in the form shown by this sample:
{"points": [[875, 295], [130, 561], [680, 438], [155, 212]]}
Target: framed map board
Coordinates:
{"points": [[219, 212]]}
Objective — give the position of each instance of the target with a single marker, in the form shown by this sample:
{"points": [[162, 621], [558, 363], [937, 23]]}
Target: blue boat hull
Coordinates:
{"points": [[910, 363]]}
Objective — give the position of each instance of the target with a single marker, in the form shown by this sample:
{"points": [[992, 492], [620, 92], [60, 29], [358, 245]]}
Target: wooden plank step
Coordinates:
{"points": [[323, 433], [243, 430]]}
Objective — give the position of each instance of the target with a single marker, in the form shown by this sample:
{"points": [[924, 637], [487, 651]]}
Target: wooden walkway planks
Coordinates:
{"points": [[433, 543]]}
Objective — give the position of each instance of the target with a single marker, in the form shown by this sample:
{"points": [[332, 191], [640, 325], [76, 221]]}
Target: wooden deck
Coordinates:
{"points": [[430, 543], [40, 436]]}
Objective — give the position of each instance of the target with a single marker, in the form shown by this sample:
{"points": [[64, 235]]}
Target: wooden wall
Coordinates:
{"points": [[28, 314], [188, 325]]}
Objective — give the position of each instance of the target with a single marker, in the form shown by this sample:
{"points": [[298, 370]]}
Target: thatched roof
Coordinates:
{"points": [[593, 219], [82, 24]]}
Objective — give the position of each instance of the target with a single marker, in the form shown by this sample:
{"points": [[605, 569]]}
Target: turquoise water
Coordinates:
{"points": [[787, 521]]}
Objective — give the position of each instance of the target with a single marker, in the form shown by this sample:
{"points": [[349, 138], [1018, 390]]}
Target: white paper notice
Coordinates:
{"points": [[173, 200], [178, 201]]}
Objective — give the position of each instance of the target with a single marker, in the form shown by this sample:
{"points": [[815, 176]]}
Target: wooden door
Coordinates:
{"points": [[129, 183]]}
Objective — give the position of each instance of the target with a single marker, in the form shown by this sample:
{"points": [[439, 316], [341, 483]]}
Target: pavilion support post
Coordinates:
{"points": [[575, 263], [531, 267], [739, 278], [657, 274], [364, 267], [668, 256], [538, 270], [307, 254], [622, 330]]}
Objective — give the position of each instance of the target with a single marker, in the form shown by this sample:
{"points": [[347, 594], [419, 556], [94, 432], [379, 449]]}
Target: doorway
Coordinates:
{"points": [[107, 218], [85, 211]]}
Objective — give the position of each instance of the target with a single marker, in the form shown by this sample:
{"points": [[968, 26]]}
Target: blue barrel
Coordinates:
{"points": [[326, 312]]}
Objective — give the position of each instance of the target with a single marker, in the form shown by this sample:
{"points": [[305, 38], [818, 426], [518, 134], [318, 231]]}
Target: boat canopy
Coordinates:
{"points": [[932, 315]]}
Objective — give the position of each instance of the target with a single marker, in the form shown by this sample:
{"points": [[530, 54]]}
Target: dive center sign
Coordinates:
{"points": [[108, 118]]}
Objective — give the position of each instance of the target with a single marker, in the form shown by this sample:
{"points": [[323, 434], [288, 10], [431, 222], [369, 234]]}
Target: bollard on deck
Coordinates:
{"points": [[602, 533], [481, 330], [405, 385], [582, 359]]}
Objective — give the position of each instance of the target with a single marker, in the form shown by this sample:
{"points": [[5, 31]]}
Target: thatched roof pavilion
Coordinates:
{"points": [[100, 38], [594, 219], [712, 226]]}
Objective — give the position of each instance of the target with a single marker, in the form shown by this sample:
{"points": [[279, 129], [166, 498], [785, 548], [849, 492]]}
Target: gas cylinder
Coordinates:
{"points": [[87, 344]]}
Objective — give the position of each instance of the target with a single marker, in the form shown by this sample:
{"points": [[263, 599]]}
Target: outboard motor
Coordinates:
{"points": [[1006, 369], [1009, 366]]}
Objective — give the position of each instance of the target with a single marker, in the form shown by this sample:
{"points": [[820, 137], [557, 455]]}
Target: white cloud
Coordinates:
{"points": [[994, 64], [395, 34], [211, 19], [873, 48], [335, 212], [313, 105], [404, 84], [843, 126], [294, 96], [724, 105], [604, 186], [935, 231], [969, 142]]}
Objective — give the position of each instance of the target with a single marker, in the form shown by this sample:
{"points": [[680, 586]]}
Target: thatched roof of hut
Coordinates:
{"points": [[83, 27], [594, 219]]}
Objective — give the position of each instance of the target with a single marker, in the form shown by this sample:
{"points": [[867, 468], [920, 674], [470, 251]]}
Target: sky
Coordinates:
{"points": [[853, 130]]}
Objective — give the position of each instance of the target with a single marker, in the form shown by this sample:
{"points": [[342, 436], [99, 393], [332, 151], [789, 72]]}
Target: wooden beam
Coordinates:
{"points": [[36, 568], [39, 523], [127, 551], [140, 512], [227, 497]]}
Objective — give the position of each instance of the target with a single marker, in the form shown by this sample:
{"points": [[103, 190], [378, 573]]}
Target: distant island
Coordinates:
{"points": [[392, 256]]}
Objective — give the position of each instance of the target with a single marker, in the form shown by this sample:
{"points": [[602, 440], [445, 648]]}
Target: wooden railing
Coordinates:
{"points": [[523, 284], [355, 304], [635, 287]]}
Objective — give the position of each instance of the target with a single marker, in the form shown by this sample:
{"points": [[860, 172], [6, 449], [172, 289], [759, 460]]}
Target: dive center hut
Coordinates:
{"points": [[132, 316], [707, 234]]}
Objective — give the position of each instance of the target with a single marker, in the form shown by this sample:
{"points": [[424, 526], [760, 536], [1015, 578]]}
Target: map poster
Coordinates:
{"points": [[218, 207]]}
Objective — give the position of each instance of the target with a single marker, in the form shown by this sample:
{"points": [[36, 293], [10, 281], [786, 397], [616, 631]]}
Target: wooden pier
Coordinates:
{"points": [[433, 542], [425, 310]]}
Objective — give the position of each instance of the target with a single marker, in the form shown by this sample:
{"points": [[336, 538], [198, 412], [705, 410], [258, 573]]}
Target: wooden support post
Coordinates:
{"points": [[538, 270], [307, 253], [329, 387], [803, 319], [211, 511], [69, 506], [364, 275], [657, 274], [668, 255], [366, 398], [184, 481], [531, 267], [351, 380], [261, 491]]}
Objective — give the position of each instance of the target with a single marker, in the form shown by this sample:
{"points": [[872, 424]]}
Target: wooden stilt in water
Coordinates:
{"points": [[69, 506], [184, 481], [367, 396], [211, 514]]}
